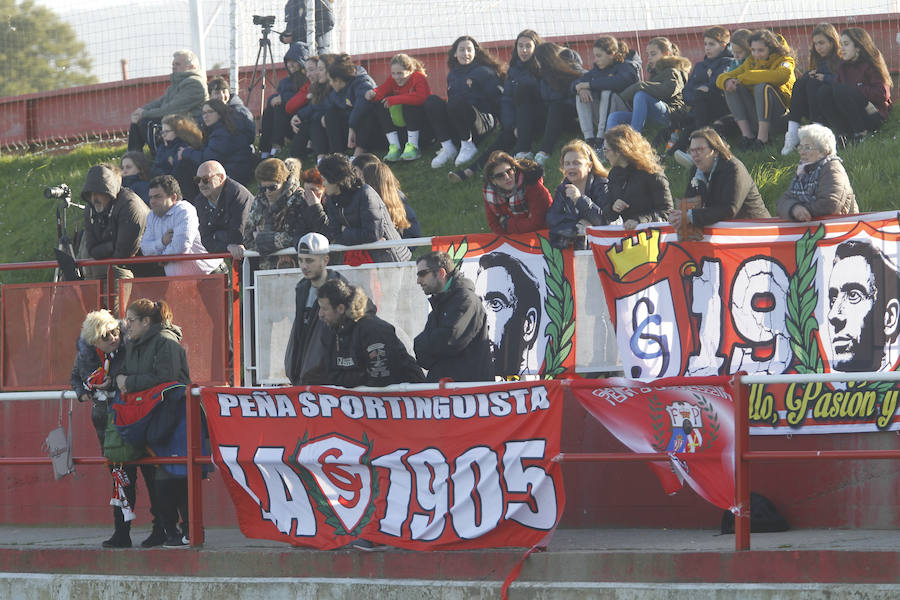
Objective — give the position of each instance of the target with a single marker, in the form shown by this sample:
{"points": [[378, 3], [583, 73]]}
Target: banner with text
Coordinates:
{"points": [[527, 288], [764, 297], [692, 420], [436, 469]]}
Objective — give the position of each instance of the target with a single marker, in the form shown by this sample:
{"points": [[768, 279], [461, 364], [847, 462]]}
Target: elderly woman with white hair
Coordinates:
{"points": [[821, 186]]}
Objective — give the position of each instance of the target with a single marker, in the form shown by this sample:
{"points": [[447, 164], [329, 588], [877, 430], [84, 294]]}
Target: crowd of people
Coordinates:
{"points": [[190, 195]]}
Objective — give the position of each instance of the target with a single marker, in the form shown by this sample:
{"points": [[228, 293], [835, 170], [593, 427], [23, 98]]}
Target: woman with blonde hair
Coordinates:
{"points": [[638, 187], [402, 96], [178, 131], [380, 178], [579, 199]]}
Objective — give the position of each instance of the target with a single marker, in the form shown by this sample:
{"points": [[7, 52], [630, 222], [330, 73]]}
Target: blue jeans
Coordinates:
{"points": [[645, 107]]}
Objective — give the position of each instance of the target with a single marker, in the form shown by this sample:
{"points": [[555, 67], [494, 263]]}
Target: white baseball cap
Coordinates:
{"points": [[313, 243]]}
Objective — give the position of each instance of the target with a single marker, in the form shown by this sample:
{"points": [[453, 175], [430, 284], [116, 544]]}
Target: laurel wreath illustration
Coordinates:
{"points": [[659, 417], [322, 504], [802, 299]]}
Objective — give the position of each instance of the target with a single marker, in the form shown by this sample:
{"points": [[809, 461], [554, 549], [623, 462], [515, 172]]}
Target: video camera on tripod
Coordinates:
{"points": [[266, 22], [65, 248], [264, 59]]}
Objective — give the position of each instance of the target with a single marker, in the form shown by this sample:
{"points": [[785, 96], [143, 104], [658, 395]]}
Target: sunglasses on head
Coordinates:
{"points": [[269, 188]]}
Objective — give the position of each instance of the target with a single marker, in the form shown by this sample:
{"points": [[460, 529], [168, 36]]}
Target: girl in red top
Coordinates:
{"points": [[860, 99], [402, 97], [515, 199]]}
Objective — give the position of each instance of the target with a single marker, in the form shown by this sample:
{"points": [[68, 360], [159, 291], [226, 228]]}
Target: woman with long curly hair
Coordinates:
{"points": [[638, 187], [473, 101], [515, 199], [580, 199], [860, 99]]}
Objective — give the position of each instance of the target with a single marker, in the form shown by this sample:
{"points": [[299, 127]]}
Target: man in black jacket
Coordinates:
{"points": [[455, 341], [222, 206], [366, 350], [310, 336]]}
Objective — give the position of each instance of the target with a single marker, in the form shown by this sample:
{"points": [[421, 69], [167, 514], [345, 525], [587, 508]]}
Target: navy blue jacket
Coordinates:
{"points": [[706, 72], [554, 92], [484, 94], [165, 151], [138, 186], [352, 98], [615, 77], [232, 150], [564, 214], [520, 84]]}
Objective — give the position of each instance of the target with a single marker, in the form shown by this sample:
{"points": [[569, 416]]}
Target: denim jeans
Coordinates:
{"points": [[645, 107]]}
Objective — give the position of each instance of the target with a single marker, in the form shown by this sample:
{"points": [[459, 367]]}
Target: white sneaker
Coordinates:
{"points": [[683, 159], [791, 139], [444, 156], [541, 158], [467, 152]]}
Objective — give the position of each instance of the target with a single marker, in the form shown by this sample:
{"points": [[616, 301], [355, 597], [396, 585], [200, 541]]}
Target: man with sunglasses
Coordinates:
{"points": [[222, 206], [455, 341]]}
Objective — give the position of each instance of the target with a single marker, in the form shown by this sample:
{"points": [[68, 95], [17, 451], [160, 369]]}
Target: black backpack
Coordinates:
{"points": [[764, 517]]}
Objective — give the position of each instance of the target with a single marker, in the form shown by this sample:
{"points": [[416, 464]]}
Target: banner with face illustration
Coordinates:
{"points": [[434, 469], [528, 293], [764, 297]]}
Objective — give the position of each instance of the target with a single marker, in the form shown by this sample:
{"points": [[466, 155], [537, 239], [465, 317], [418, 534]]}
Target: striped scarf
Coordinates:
{"points": [[503, 203], [806, 182]]}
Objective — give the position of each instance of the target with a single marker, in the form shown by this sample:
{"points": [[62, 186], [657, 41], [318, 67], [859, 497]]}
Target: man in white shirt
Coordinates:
{"points": [[173, 228]]}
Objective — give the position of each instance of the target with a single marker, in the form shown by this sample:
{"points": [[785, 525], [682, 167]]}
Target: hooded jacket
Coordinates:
{"points": [[184, 96], [310, 339], [115, 233], [154, 358], [232, 150], [666, 83], [351, 99], [777, 70], [455, 340]]}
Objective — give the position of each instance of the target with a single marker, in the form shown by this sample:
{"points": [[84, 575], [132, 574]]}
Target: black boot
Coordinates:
{"points": [[156, 538], [121, 537]]}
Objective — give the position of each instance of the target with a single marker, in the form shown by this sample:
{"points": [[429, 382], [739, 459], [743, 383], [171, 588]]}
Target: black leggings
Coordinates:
{"points": [[413, 115], [301, 139], [456, 119], [557, 115], [274, 126], [805, 101], [707, 108], [172, 502], [530, 117], [844, 107], [337, 127]]}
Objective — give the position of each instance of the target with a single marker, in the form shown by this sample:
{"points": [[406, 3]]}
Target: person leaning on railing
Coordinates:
{"points": [[100, 351], [154, 355]]}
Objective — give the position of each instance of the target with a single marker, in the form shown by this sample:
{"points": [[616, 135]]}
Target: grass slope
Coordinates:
{"points": [[28, 220]]}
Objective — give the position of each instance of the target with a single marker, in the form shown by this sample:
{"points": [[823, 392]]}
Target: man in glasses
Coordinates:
{"points": [[310, 336], [455, 341], [172, 228], [222, 209], [185, 95]]}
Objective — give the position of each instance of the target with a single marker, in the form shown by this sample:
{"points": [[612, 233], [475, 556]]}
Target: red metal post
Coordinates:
{"points": [[235, 324], [741, 467], [195, 470]]}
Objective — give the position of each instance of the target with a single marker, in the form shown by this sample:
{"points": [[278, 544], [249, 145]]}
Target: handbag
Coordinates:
{"points": [[115, 448], [58, 444]]}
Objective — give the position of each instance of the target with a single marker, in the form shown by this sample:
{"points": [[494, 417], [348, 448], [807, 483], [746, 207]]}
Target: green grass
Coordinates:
{"points": [[28, 220]]}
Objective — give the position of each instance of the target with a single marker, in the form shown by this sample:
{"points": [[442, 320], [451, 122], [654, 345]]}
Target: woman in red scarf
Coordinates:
{"points": [[515, 199]]}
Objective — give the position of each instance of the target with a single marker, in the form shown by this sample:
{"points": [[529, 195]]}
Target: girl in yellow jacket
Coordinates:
{"points": [[759, 90]]}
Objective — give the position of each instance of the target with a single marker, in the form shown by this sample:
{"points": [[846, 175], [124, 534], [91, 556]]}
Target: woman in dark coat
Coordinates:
{"points": [[354, 213], [726, 190], [638, 187], [580, 198], [154, 356], [224, 140]]}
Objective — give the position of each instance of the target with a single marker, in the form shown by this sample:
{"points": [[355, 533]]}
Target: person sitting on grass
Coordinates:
{"points": [[402, 96]]}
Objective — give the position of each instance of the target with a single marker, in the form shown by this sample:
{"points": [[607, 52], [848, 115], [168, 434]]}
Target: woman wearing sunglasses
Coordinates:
{"points": [[515, 199], [275, 221]]}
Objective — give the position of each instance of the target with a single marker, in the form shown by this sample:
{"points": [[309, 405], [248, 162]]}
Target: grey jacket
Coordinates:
{"points": [[834, 195], [184, 96]]}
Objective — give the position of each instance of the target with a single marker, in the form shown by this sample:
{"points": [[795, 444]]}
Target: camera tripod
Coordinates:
{"points": [[261, 69], [67, 269]]}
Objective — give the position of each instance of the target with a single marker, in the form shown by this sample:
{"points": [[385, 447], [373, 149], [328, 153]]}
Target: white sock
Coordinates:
{"points": [[393, 138], [793, 126], [448, 145], [413, 138]]}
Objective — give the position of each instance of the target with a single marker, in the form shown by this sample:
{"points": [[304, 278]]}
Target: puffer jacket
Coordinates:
{"points": [[232, 150], [666, 83], [706, 72], [777, 70], [184, 96], [274, 226], [647, 194], [352, 98], [834, 195], [154, 358], [117, 232]]}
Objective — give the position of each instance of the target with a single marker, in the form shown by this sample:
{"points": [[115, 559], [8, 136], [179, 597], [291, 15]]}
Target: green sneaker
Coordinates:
{"points": [[410, 152], [393, 154]]}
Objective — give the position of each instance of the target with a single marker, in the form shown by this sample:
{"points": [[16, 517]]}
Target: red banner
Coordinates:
{"points": [[435, 469], [767, 297], [527, 288], [690, 419]]}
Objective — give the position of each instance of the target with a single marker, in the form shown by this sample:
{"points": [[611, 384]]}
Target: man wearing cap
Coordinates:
{"points": [[222, 206], [172, 228], [310, 337]]}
